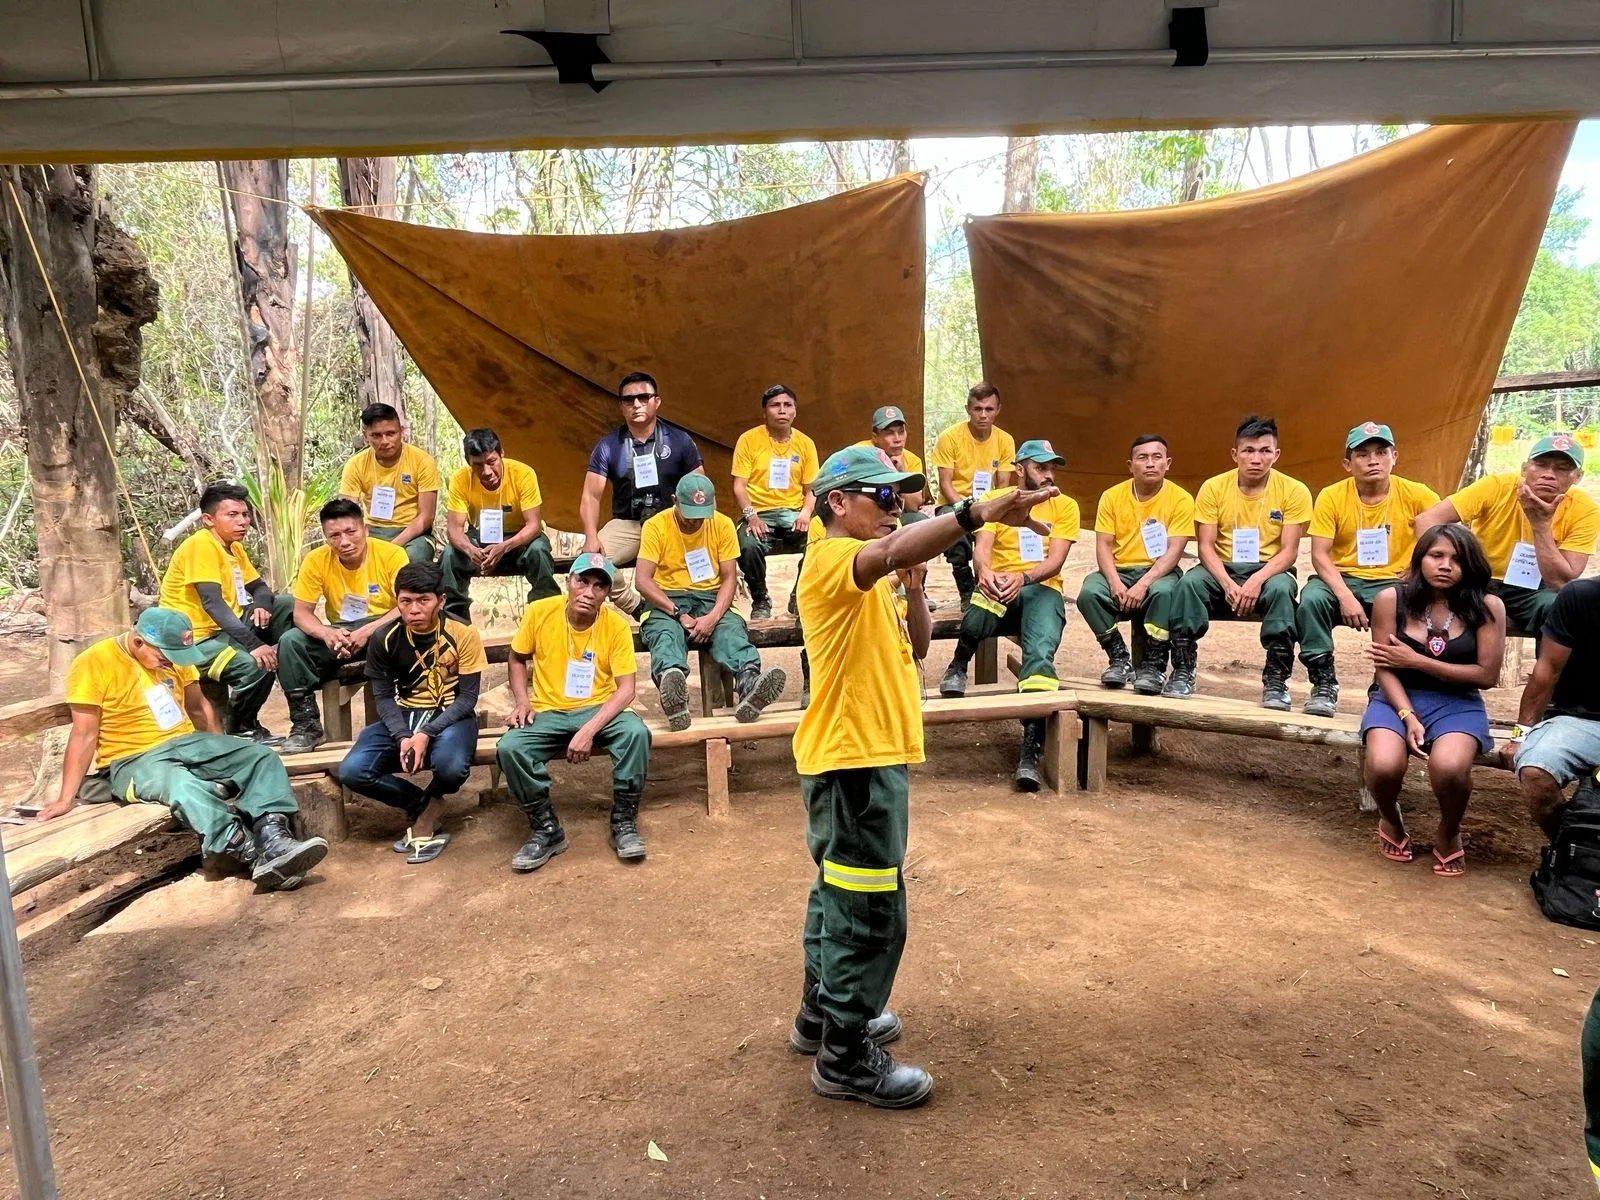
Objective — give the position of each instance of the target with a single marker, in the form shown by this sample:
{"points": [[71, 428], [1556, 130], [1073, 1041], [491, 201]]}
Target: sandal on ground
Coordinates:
{"points": [[1394, 851], [426, 849], [1450, 865]]}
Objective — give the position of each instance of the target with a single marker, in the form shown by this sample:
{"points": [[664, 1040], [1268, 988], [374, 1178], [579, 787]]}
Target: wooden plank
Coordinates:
{"points": [[115, 825], [33, 716], [1094, 755], [719, 764], [1060, 759]]}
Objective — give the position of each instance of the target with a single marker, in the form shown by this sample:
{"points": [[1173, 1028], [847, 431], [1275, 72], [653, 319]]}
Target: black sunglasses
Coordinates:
{"points": [[884, 496]]}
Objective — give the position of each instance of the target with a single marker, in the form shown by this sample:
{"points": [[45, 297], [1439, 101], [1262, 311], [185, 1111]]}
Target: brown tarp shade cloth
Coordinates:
{"points": [[1380, 289], [530, 335]]}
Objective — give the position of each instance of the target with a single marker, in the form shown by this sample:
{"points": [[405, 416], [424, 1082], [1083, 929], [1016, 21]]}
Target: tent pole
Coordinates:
{"points": [[19, 1065]]}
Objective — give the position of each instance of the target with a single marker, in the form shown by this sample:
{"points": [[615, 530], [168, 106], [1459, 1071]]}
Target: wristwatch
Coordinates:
{"points": [[964, 518]]}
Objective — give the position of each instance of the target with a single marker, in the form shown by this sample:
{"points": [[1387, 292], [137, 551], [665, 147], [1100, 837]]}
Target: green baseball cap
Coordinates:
{"points": [[1558, 443], [886, 416], [586, 564], [171, 633], [697, 499], [1368, 431], [863, 464], [1040, 451]]}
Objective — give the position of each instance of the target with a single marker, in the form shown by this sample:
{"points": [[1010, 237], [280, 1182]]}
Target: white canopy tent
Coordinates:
{"points": [[92, 79]]}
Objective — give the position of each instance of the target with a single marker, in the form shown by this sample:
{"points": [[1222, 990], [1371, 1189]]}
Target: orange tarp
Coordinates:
{"points": [[1380, 289], [530, 335]]}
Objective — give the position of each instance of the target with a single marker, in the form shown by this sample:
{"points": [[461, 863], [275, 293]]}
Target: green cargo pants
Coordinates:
{"points": [[1526, 608], [1038, 616], [781, 539], [1101, 613], [305, 663], [1200, 599], [532, 561], [418, 549], [856, 915], [522, 753], [669, 644], [230, 664], [1319, 611], [194, 774]]}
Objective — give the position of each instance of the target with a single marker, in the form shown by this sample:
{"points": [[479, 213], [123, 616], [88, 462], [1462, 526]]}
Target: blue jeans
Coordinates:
{"points": [[369, 767]]}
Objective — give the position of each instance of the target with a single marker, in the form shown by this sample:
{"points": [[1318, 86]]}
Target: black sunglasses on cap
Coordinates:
{"points": [[885, 496]]}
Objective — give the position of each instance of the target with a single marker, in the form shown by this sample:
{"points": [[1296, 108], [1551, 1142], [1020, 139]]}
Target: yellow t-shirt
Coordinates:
{"points": [[662, 542], [367, 591], [546, 638], [866, 693], [1339, 513], [965, 456], [518, 492], [107, 677], [1490, 509], [1060, 513], [412, 474], [1123, 516], [752, 457], [202, 558], [1286, 501]]}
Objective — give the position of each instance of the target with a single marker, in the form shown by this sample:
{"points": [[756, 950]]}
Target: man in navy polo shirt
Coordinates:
{"points": [[642, 460]]}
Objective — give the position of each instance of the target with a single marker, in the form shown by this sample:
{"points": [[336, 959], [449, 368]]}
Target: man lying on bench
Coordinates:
{"points": [[135, 702]]}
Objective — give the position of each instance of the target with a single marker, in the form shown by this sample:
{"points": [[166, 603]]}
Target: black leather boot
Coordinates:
{"points": [[625, 837], [1275, 676], [1185, 662], [1152, 674], [850, 1066], [805, 1035], [546, 840], [282, 860], [305, 732], [1324, 701], [757, 689], [1119, 671], [1027, 779]]}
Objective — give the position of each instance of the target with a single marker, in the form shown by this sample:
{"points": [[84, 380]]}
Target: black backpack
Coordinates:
{"points": [[1566, 884]]}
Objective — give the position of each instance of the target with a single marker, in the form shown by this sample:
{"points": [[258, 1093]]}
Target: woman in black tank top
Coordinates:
{"points": [[1437, 638]]}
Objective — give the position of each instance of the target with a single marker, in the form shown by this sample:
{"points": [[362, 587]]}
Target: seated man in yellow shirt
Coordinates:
{"points": [[772, 469], [1248, 522], [396, 483], [582, 671], [686, 568], [1537, 529], [493, 525], [237, 619], [136, 705], [352, 576], [1019, 591], [972, 459]]}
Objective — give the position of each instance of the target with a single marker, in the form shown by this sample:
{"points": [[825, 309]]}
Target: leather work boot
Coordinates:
{"points": [[280, 857], [1152, 673], [1324, 701], [674, 689], [305, 732], [1185, 662], [850, 1066], [805, 1035], [757, 689], [625, 837], [546, 840], [1275, 676], [1027, 778], [1119, 672]]}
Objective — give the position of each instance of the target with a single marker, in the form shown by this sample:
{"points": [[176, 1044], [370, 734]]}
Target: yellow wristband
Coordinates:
{"points": [[1404, 713]]}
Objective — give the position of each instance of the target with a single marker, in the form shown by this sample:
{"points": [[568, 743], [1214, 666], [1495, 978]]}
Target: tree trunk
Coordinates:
{"points": [[370, 184], [266, 282], [106, 294], [1022, 171]]}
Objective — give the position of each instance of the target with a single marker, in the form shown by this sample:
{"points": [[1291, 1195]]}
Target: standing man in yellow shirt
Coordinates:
{"points": [[853, 748], [493, 526], [973, 459], [582, 669], [140, 720], [353, 576], [1361, 542], [396, 483], [1537, 529], [1140, 529], [688, 557], [236, 617], [772, 469], [1248, 522], [1019, 591]]}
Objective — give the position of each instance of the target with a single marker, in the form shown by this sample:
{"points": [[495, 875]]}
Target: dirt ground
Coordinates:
{"points": [[1203, 980]]}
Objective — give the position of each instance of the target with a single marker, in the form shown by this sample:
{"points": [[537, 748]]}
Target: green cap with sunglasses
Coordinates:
{"points": [[1558, 443], [170, 632], [1039, 451], [863, 465]]}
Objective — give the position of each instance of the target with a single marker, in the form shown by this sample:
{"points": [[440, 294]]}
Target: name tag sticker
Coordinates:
{"points": [[163, 706], [1030, 546], [1372, 547], [701, 568], [382, 505], [491, 526], [1154, 534], [1247, 545], [778, 472], [1523, 569], [580, 679], [645, 474]]}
